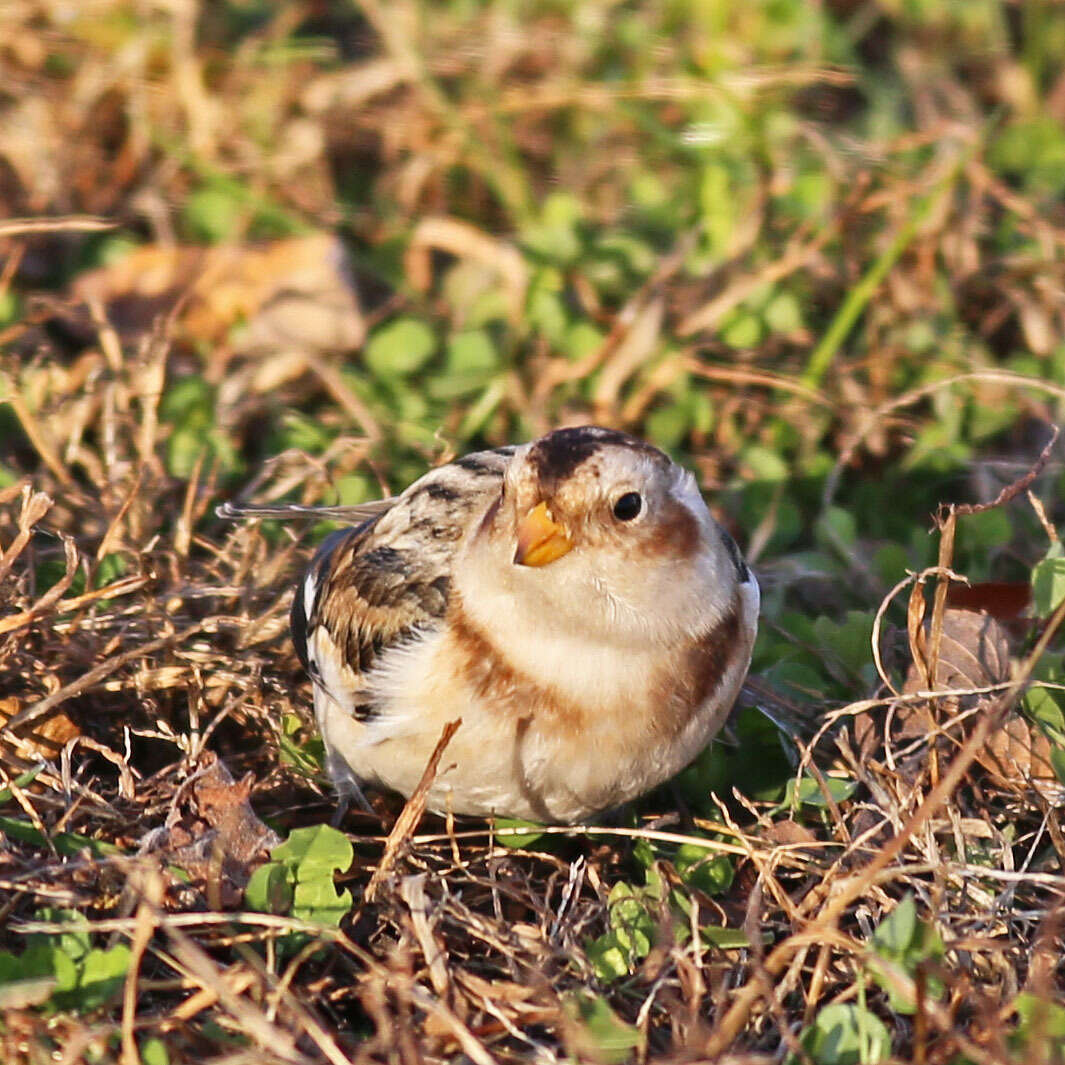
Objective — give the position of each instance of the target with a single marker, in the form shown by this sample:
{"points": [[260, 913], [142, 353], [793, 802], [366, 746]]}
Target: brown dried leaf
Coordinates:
{"points": [[915, 611], [219, 838], [45, 740], [223, 804], [284, 295], [1018, 754], [788, 832], [973, 653], [1005, 601]]}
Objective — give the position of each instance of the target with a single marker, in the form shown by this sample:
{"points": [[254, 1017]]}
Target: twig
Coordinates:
{"points": [[1009, 493], [15, 227], [34, 507], [411, 813], [149, 882], [253, 1023]]}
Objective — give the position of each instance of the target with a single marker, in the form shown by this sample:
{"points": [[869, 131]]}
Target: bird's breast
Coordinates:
{"points": [[549, 732]]}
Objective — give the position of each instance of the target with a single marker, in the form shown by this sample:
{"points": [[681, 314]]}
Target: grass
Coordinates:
{"points": [[815, 251]]}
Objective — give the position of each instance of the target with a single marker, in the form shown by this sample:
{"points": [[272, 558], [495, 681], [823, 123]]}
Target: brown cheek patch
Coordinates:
{"points": [[492, 678], [709, 657], [697, 672], [674, 532]]}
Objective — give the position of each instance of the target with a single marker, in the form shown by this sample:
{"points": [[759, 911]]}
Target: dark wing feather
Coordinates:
{"points": [[372, 586]]}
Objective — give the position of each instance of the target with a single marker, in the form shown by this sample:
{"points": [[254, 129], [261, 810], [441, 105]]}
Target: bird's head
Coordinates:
{"points": [[599, 534]]}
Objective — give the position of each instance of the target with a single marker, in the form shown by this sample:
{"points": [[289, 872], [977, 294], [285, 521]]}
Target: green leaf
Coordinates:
{"points": [[9, 307], [102, 974], [88, 982], [316, 851], [35, 961], [153, 1052], [399, 349], [1034, 151], [269, 889], [111, 567], [743, 329], [783, 313], [472, 352], [985, 530], [303, 433], [717, 207], [188, 406], [809, 792], [1048, 585], [686, 410], [609, 958], [1031, 1009], [630, 920], [66, 971], [1040, 1033], [797, 679], [724, 938], [764, 464], [546, 311], [26, 979], [846, 642], [22, 781], [299, 877], [632, 928], [1057, 763], [555, 234], [511, 837], [319, 901], [700, 869], [837, 530], [602, 1034], [583, 338], [212, 214], [1041, 705], [891, 562], [894, 935], [903, 942], [643, 851], [845, 1034], [67, 844], [306, 756]]}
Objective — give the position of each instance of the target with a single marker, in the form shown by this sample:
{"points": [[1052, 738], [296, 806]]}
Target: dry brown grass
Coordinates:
{"points": [[130, 688]]}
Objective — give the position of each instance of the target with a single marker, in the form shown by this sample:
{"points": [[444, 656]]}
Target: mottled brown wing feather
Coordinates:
{"points": [[375, 585]]}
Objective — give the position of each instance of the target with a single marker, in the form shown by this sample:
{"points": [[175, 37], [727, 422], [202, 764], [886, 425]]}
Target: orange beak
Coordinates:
{"points": [[540, 538]]}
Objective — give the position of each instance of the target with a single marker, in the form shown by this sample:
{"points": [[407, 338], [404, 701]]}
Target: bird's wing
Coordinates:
{"points": [[372, 586]]}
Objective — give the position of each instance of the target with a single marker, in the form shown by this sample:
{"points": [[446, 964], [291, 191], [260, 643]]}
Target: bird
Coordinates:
{"points": [[571, 602]]}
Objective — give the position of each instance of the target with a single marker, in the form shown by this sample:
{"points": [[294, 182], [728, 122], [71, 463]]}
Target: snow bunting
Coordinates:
{"points": [[571, 601]]}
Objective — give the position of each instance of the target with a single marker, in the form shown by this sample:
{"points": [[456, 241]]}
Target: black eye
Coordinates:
{"points": [[628, 506]]}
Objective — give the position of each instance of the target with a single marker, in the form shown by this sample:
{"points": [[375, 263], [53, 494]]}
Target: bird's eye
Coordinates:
{"points": [[628, 506]]}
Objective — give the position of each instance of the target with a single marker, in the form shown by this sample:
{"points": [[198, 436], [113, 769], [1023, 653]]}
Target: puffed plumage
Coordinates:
{"points": [[571, 600]]}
